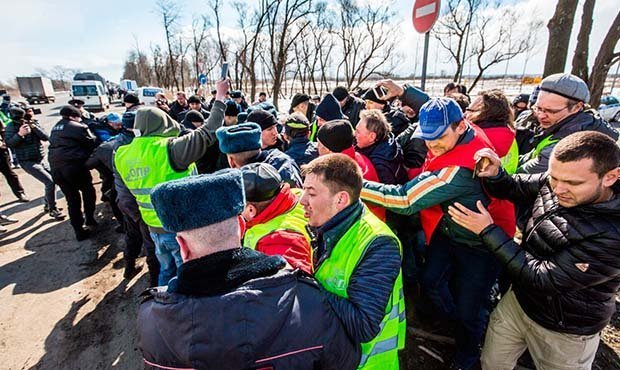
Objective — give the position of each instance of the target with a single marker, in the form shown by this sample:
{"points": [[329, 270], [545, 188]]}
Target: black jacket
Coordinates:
{"points": [[387, 159], [566, 273], [286, 166], [414, 149], [397, 119], [176, 108], [239, 309], [302, 150], [70, 143], [352, 109], [29, 147]]}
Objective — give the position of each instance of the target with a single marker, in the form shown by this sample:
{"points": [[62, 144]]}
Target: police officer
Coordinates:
{"points": [[71, 143]]}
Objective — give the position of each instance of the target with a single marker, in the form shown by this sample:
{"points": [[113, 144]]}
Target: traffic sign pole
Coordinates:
{"points": [[427, 37], [425, 13]]}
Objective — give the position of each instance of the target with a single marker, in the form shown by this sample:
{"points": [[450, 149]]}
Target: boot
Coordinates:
{"points": [[131, 269], [82, 234]]}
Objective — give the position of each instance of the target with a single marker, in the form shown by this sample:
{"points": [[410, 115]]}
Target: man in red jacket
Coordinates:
{"points": [[275, 220]]}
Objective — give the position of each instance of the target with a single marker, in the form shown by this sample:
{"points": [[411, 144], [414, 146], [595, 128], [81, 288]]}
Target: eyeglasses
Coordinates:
{"points": [[546, 111]]}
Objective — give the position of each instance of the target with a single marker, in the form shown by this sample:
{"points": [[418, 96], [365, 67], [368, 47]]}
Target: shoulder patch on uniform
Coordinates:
{"points": [[583, 267]]}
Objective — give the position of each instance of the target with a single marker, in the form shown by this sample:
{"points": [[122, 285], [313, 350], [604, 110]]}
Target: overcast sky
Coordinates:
{"points": [[96, 35]]}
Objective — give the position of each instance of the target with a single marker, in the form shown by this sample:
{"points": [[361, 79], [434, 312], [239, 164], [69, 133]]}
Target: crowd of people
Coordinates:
{"points": [[293, 240]]}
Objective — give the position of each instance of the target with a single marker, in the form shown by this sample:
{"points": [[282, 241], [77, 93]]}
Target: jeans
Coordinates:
{"points": [[41, 172], [168, 253], [471, 273]]}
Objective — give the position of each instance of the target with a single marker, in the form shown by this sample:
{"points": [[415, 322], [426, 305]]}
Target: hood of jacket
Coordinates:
{"points": [[155, 122]]}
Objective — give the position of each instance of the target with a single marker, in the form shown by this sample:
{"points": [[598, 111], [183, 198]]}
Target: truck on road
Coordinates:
{"points": [[36, 89]]}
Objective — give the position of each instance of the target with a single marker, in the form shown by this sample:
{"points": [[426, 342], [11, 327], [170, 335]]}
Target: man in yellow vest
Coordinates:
{"points": [[275, 222], [159, 155], [356, 259]]}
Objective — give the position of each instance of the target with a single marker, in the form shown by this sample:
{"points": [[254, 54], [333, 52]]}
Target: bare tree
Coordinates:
{"points": [[453, 29], [216, 7], [252, 38], [366, 38], [560, 27], [495, 43], [200, 27], [580, 59], [183, 48], [170, 13], [284, 25], [606, 57]]}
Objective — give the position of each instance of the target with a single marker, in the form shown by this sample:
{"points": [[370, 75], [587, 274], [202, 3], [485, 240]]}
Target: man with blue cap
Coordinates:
{"points": [[455, 254], [242, 145], [232, 307]]}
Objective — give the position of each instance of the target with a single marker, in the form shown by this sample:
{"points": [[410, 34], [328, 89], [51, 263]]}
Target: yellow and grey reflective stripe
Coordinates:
{"points": [[145, 205], [386, 345], [142, 191], [297, 125]]}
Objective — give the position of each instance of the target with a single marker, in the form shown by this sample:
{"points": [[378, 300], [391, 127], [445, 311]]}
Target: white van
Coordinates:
{"points": [[147, 94], [129, 85], [92, 92]]}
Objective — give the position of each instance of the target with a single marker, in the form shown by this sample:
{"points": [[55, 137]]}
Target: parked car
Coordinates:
{"points": [[147, 94], [36, 89], [610, 108], [93, 93]]}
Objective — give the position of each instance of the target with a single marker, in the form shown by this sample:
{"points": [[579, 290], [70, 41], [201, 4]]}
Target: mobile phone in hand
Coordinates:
{"points": [[481, 165], [380, 91], [224, 70]]}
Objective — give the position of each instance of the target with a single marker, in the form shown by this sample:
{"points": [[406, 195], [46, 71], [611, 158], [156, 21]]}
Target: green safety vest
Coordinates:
{"points": [[334, 274], [4, 119], [314, 128], [549, 140], [543, 144], [292, 220], [143, 164], [510, 162]]}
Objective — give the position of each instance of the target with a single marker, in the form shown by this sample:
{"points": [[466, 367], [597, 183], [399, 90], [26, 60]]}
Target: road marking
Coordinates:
{"points": [[425, 10]]}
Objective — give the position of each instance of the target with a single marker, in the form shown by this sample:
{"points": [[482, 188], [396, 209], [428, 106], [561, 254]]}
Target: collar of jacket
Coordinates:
{"points": [[283, 202], [223, 271], [299, 140], [386, 148], [578, 116], [330, 233]]}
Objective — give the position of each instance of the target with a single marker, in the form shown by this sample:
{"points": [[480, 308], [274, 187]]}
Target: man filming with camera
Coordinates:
{"points": [[24, 136]]}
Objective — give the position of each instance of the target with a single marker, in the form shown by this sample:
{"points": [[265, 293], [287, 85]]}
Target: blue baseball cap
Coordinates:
{"points": [[114, 117], [436, 115]]}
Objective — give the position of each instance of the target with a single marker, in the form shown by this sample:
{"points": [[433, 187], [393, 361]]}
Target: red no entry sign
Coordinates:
{"points": [[425, 13]]}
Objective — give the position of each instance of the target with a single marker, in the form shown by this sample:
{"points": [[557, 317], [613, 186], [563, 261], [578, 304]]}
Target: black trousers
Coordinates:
{"points": [[77, 185], [7, 171], [137, 236]]}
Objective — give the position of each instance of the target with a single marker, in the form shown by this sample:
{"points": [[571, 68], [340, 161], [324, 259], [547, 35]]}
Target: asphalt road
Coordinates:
{"points": [[49, 112]]}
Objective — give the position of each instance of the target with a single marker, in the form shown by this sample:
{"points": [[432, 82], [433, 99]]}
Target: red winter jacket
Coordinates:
{"points": [[368, 173], [501, 137], [291, 245]]}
